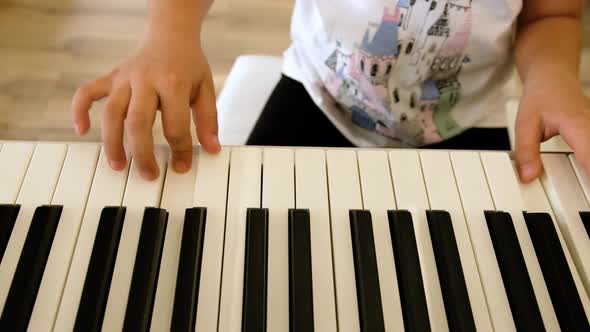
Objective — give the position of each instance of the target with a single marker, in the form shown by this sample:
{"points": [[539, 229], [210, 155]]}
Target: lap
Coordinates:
{"points": [[291, 118]]}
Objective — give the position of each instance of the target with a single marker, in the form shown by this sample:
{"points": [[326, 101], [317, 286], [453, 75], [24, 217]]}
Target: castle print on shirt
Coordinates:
{"points": [[401, 80]]}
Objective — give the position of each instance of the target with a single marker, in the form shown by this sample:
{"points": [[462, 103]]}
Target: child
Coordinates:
{"points": [[380, 73]]}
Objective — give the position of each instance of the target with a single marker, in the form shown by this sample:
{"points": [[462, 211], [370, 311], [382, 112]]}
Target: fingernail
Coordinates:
{"points": [[180, 166], [77, 128], [150, 174], [117, 164], [216, 141], [527, 171]]}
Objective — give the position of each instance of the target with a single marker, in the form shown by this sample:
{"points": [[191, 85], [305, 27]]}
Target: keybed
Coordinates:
{"points": [[36, 190], [378, 197], [507, 197], [107, 190], [535, 201], [177, 195], [567, 198], [410, 193], [72, 194], [476, 199], [244, 187], [291, 239], [443, 195]]}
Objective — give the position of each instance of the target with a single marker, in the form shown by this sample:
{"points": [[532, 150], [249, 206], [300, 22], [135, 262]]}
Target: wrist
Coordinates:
{"points": [[177, 17], [166, 28], [551, 73], [172, 36]]}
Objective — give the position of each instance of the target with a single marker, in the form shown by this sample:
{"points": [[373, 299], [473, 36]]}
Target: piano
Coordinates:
{"points": [[292, 239]]}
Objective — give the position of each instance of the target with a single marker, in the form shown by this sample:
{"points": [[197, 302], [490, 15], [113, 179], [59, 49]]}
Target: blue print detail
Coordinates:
{"points": [[401, 81]]}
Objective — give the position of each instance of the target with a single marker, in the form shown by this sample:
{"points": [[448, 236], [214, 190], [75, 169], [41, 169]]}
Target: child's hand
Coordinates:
{"points": [[551, 106], [168, 72]]}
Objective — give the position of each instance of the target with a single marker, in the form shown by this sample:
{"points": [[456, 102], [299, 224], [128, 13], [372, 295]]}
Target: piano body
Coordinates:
{"points": [[292, 239]]}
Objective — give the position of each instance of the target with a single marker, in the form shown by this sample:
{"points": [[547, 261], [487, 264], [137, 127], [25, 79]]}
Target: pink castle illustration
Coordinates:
{"points": [[377, 54]]}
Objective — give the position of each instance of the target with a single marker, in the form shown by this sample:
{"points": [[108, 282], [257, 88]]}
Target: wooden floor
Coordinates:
{"points": [[47, 48]]}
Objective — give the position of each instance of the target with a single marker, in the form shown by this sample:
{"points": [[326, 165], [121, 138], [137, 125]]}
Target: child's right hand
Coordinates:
{"points": [[168, 72]]}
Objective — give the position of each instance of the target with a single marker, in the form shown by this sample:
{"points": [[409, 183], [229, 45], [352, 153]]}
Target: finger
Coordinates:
{"points": [[176, 124], [529, 133], [205, 116], [577, 136], [138, 124], [113, 118], [83, 99]]}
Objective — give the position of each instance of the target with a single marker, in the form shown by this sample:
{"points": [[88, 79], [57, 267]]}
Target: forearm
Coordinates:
{"points": [[549, 41], [177, 17]]}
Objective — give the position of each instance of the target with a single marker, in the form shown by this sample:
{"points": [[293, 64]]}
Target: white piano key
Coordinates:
{"points": [[410, 194], [505, 191], [278, 196], [139, 194], [106, 190], [567, 198], [312, 193], [14, 161], [177, 196], [243, 193], [378, 198], [37, 189], [211, 192], [71, 193], [476, 198], [535, 200], [345, 195], [533, 196], [583, 177], [443, 195]]}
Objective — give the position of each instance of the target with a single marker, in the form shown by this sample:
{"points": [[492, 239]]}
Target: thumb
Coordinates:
{"points": [[529, 134], [204, 111]]}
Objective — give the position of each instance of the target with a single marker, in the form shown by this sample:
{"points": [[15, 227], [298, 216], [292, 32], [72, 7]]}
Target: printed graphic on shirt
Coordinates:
{"points": [[401, 79]]}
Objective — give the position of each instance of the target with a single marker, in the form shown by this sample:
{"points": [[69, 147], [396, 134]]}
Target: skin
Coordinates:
{"points": [[547, 54], [169, 72]]}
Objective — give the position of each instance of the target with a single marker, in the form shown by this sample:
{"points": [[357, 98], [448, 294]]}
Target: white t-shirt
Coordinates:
{"points": [[404, 72]]}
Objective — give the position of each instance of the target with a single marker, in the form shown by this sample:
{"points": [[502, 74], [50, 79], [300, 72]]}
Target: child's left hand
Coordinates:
{"points": [[551, 105]]}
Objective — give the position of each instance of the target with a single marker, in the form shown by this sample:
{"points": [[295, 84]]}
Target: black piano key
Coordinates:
{"points": [[300, 278], [515, 276], [409, 274], [8, 214], [142, 293], [450, 272], [186, 297], [367, 275], [255, 271], [29, 271], [100, 270], [586, 221], [558, 278]]}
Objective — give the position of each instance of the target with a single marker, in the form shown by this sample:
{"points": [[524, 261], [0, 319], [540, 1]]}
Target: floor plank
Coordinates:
{"points": [[49, 48]]}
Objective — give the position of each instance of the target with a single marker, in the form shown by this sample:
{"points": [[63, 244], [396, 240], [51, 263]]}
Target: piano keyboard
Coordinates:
{"points": [[278, 239]]}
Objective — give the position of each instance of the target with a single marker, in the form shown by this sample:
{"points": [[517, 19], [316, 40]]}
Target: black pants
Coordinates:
{"points": [[291, 118]]}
